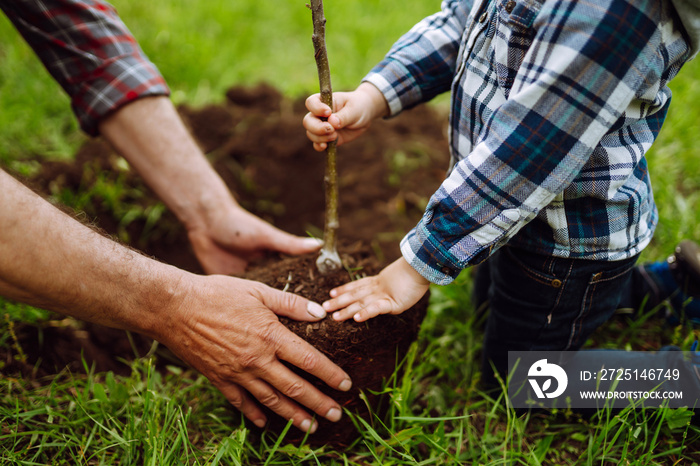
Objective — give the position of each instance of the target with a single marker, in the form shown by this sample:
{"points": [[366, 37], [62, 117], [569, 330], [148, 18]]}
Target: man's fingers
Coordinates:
{"points": [[213, 258], [290, 305], [266, 236], [286, 243], [307, 358], [242, 402], [281, 405], [295, 387]]}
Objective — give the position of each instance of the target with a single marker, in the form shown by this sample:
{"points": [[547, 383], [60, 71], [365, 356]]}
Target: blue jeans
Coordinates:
{"points": [[544, 303]]}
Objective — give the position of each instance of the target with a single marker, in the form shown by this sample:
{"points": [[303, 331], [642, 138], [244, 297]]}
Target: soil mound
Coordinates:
{"points": [[369, 352]]}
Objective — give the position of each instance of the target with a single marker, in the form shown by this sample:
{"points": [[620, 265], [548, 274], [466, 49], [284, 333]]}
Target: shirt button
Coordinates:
{"points": [[484, 17], [509, 6], [446, 270]]}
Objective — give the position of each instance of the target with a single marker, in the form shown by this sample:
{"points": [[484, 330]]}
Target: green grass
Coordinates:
{"points": [[438, 415]]}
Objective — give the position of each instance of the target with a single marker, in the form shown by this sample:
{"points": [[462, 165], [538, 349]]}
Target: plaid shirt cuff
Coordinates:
{"points": [[113, 85], [427, 258], [427, 249], [394, 80]]}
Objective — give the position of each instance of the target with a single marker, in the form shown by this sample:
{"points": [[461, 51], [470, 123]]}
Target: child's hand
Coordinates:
{"points": [[355, 111], [395, 289]]}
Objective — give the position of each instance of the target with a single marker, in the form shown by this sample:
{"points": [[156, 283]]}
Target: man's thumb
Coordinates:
{"points": [[291, 305], [293, 245]]}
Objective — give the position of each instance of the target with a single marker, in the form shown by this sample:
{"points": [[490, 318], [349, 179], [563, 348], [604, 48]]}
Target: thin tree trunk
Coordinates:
{"points": [[328, 260]]}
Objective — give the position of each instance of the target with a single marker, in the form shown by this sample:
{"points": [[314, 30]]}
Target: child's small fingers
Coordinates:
{"points": [[347, 313], [343, 301], [373, 310], [316, 125], [340, 316], [317, 107], [313, 137], [335, 121], [350, 286]]}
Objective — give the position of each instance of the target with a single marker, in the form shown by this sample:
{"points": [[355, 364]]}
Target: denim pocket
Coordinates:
{"points": [[537, 267], [600, 299], [525, 293]]}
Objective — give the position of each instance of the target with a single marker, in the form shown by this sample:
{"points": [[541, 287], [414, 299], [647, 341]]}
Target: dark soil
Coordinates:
{"points": [[256, 143]]}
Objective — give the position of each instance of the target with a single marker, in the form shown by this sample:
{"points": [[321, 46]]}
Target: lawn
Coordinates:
{"points": [[437, 414]]}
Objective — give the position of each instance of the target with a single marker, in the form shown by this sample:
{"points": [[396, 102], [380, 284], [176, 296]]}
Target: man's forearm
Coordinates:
{"points": [[151, 136], [50, 260]]}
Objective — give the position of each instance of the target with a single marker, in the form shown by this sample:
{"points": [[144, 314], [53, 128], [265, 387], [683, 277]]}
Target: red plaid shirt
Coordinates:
{"points": [[89, 51]]}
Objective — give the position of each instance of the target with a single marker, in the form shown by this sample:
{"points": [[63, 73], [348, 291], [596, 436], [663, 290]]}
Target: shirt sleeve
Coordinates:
{"points": [[421, 64], [578, 77], [89, 51]]}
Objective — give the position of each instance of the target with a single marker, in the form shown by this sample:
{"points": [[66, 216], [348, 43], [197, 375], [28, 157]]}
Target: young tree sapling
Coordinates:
{"points": [[328, 260]]}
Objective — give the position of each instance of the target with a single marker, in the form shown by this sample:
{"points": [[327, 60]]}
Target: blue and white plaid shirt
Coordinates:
{"points": [[554, 104]]}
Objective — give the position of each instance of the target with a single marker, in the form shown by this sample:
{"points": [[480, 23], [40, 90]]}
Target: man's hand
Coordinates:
{"points": [[394, 290], [226, 328], [151, 136], [235, 236], [354, 112]]}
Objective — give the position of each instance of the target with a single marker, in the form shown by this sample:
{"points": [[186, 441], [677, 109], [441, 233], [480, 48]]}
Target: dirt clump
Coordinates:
{"points": [[369, 352]]}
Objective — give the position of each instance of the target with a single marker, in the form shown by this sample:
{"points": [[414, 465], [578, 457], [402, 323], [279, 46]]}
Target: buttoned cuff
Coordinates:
{"points": [[427, 258], [423, 250]]}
